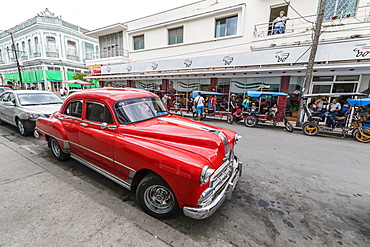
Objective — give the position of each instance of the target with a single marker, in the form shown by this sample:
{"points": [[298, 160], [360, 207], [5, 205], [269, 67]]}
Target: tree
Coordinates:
{"points": [[79, 76]]}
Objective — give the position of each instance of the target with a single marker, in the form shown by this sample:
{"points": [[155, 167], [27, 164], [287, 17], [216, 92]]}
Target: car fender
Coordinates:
{"points": [[50, 127], [180, 168]]}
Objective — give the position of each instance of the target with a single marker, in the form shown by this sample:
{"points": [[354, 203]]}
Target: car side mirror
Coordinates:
{"points": [[9, 103]]}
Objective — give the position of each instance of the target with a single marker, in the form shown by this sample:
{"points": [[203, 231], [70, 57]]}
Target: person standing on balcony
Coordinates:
{"points": [[280, 23]]}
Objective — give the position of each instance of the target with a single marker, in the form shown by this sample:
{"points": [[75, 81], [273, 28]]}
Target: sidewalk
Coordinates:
{"points": [[43, 205]]}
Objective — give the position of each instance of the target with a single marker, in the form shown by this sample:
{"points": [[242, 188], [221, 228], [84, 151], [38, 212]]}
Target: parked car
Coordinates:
{"points": [[127, 135], [3, 89], [21, 108]]}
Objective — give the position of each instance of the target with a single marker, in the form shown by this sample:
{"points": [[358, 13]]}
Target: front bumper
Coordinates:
{"points": [[204, 212], [29, 124]]}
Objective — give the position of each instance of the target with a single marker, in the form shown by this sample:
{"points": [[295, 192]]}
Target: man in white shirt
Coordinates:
{"points": [[334, 109], [199, 104]]}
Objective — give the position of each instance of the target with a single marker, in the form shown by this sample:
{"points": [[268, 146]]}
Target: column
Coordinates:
{"points": [[213, 86], [284, 87], [165, 85]]}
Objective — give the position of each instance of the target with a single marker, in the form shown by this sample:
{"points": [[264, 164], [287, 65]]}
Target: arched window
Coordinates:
{"points": [[72, 49], [29, 47], [51, 44], [24, 48], [36, 44]]}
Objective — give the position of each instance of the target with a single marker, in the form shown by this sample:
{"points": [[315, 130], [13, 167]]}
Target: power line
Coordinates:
{"points": [[298, 13]]}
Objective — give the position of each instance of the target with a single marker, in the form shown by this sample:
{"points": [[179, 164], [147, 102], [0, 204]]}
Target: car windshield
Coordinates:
{"points": [[39, 99], [139, 109]]}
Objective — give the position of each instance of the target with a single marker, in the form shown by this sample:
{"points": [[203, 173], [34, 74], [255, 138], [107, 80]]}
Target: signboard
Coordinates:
{"points": [[326, 52], [94, 69]]}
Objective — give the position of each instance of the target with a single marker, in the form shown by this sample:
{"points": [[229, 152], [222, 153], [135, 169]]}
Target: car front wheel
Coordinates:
{"points": [[22, 129], [56, 150], [156, 198]]}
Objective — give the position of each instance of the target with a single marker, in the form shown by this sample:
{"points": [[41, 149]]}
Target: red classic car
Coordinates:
{"points": [[127, 135]]}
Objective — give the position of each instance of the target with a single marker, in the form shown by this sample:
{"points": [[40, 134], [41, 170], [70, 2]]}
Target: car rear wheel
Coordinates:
{"points": [[310, 129], [230, 119], [288, 126], [22, 129], [250, 121], [156, 198], [56, 150]]}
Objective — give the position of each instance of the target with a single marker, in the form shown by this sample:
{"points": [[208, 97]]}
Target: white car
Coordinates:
{"points": [[21, 108]]}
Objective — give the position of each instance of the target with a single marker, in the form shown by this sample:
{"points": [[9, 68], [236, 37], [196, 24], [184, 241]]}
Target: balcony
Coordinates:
{"points": [[52, 54], [117, 52], [306, 23], [37, 54], [73, 57], [24, 57]]}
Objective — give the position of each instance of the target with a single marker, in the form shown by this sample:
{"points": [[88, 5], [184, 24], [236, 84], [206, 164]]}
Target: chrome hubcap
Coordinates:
{"points": [[159, 199], [55, 147], [20, 127]]}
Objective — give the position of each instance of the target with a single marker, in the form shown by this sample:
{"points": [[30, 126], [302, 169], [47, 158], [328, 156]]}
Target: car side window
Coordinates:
{"points": [[74, 109], [98, 113], [11, 98], [4, 97]]}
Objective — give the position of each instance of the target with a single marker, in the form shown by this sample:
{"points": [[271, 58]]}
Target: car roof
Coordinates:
{"points": [[30, 91], [113, 94]]}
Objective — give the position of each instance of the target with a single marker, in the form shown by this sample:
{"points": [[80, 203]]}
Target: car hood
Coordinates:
{"points": [[42, 109], [195, 137]]}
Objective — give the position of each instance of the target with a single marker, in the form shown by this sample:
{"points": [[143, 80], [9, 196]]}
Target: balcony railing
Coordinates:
{"points": [[306, 23], [118, 52], [73, 57], [52, 54]]}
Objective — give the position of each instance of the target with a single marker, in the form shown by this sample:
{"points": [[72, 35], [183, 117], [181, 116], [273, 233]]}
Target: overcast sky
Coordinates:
{"points": [[91, 14]]}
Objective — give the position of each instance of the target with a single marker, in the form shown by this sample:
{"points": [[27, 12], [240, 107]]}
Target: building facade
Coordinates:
{"points": [[47, 50], [229, 46]]}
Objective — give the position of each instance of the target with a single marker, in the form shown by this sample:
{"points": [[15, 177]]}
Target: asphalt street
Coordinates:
{"points": [[295, 190]]}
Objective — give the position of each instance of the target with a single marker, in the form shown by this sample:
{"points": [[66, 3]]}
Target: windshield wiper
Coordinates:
{"points": [[29, 104]]}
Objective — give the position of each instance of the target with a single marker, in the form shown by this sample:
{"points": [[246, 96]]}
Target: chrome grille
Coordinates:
{"points": [[218, 180]]}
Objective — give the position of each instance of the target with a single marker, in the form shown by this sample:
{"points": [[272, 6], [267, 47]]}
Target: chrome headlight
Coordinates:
{"points": [[206, 174], [31, 115]]}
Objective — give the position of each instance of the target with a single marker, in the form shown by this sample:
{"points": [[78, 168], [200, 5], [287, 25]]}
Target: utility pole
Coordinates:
{"points": [[16, 59], [16, 56], [311, 59]]}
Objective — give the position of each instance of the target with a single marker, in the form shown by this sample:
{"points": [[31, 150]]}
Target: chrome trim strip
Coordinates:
{"points": [[67, 143], [192, 125], [103, 172], [197, 126], [86, 121]]}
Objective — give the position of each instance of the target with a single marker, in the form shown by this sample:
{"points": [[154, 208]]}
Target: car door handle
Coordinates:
{"points": [[84, 124]]}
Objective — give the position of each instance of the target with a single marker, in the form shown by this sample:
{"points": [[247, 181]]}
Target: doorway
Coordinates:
{"points": [[274, 12]]}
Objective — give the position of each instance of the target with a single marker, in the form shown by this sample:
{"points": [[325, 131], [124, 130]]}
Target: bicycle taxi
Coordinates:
{"points": [[261, 113], [351, 123], [221, 108]]}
